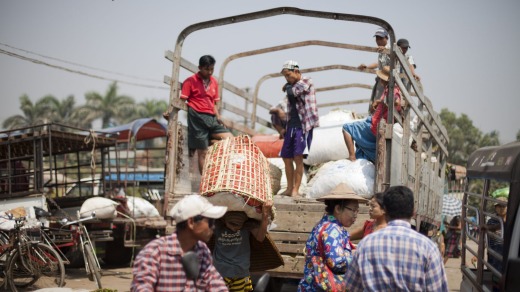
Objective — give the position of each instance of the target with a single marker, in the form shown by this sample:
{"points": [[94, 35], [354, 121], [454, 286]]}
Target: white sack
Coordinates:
{"points": [[104, 208], [141, 208], [359, 175], [327, 140], [234, 203], [278, 162]]}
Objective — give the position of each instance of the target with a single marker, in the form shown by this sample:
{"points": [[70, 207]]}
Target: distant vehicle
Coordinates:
{"points": [[492, 173]]}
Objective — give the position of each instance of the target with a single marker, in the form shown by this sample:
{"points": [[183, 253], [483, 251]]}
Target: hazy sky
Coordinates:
{"points": [[465, 50]]}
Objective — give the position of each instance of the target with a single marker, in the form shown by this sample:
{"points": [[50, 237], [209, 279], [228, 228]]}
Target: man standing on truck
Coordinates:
{"points": [[397, 258], [364, 132], [160, 265], [383, 59], [204, 124], [302, 118]]}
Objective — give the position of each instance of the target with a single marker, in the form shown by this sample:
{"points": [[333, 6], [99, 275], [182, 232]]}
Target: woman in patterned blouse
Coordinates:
{"points": [[342, 208]]}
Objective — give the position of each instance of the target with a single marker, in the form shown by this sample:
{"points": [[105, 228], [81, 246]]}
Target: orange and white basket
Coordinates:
{"points": [[237, 166]]}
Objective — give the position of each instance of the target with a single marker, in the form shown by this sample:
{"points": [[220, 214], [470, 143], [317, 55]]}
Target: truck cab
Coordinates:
{"points": [[491, 255]]}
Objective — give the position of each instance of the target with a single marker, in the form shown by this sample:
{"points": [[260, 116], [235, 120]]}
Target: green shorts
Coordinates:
{"points": [[200, 128]]}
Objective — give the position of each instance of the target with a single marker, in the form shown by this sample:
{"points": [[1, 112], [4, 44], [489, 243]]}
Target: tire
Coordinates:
{"points": [[4, 239], [39, 267], [93, 267]]}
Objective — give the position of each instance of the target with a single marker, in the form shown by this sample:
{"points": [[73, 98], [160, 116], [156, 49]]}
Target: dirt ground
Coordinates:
{"points": [[120, 278]]}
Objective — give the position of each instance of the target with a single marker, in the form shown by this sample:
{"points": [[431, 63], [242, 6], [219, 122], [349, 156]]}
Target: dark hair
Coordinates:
{"points": [[379, 197], [455, 221], [206, 60], [398, 203], [331, 204]]}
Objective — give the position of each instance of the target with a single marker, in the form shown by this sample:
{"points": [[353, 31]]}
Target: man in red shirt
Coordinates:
{"points": [[204, 124]]}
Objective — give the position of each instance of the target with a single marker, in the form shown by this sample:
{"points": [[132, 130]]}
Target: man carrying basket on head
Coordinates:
{"points": [[232, 251]]}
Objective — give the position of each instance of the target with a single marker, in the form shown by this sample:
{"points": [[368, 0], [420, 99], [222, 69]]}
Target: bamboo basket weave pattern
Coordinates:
{"points": [[238, 166]]}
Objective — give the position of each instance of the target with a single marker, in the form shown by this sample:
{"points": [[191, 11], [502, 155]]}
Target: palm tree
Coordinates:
{"points": [[110, 108], [152, 109], [65, 112], [32, 113]]}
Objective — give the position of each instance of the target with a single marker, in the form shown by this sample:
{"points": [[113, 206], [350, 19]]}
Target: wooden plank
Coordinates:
{"points": [[288, 236], [291, 248], [296, 221], [292, 268]]}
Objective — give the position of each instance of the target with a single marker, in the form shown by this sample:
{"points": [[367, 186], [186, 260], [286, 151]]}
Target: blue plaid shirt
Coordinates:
{"points": [[396, 258]]}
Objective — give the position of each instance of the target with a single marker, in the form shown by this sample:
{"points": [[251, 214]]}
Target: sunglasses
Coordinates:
{"points": [[211, 221]]}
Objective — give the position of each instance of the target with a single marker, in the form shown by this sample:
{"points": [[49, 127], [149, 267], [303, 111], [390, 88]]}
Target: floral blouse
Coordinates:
{"points": [[336, 247]]}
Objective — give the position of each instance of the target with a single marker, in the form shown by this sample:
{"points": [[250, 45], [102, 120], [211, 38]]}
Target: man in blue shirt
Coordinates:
{"points": [[397, 258]]}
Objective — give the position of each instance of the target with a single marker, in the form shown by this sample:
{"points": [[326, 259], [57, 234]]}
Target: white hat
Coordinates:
{"points": [[193, 205], [290, 65]]}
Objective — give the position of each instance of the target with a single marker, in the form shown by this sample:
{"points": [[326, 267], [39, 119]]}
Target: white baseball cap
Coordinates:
{"points": [[290, 65], [193, 205]]}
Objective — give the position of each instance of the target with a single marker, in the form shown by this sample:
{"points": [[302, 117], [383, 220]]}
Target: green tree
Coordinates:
{"points": [[518, 135], [110, 108], [151, 108], [464, 137], [65, 112], [32, 113]]}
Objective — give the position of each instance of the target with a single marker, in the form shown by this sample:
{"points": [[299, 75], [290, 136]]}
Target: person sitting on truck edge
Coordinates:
{"points": [[342, 208], [232, 252], [364, 132], [376, 212], [204, 124], [397, 258], [302, 119], [383, 59], [159, 265]]}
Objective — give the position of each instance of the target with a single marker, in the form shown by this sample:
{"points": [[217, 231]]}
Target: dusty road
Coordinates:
{"points": [[120, 278]]}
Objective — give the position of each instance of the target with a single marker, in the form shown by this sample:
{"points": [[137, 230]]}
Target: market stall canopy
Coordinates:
{"points": [[140, 129]]}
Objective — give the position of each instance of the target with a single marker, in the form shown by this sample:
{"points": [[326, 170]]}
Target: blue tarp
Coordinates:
{"points": [[138, 176]]}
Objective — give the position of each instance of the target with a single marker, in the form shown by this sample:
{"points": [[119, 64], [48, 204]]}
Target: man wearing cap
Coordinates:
{"points": [[495, 225], [204, 124], [397, 258], [364, 132], [302, 118], [330, 238], [404, 45], [383, 59], [159, 265]]}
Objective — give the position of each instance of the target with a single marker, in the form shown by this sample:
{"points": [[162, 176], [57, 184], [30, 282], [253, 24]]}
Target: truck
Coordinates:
{"points": [[491, 255], [422, 168]]}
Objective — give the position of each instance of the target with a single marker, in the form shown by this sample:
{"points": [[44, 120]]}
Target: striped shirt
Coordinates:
{"points": [[305, 95], [158, 267], [396, 258]]}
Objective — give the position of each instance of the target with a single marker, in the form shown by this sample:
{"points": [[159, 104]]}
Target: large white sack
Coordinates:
{"points": [[235, 203], [359, 175], [278, 162], [141, 208], [104, 208], [327, 140]]}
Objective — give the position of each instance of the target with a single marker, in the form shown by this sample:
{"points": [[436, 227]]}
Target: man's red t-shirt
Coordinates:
{"points": [[200, 99]]}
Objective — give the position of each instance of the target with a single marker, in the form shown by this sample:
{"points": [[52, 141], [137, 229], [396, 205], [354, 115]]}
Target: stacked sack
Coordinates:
{"points": [[236, 175]]}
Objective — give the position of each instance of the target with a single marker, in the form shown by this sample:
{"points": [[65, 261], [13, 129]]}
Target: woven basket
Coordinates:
{"points": [[237, 165]]}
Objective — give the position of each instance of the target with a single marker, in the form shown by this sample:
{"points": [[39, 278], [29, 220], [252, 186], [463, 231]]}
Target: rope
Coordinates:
{"points": [[92, 137]]}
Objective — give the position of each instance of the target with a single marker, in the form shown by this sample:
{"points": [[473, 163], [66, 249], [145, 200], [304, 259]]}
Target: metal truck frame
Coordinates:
{"points": [[422, 170]]}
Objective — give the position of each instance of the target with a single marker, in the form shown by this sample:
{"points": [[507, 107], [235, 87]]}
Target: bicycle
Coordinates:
{"points": [[29, 263], [91, 262]]}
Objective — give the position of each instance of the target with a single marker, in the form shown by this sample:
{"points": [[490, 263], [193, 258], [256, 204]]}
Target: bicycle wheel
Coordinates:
{"points": [[40, 266], [4, 241], [93, 268]]}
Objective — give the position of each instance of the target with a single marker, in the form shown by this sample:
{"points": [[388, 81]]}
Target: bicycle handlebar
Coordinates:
{"points": [[76, 222]]}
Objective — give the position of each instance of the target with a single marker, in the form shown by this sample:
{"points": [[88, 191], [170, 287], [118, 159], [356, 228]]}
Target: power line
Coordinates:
{"points": [[36, 61]]}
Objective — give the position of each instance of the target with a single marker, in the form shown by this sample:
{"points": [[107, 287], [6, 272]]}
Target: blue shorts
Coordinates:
{"points": [[363, 138], [296, 143]]}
